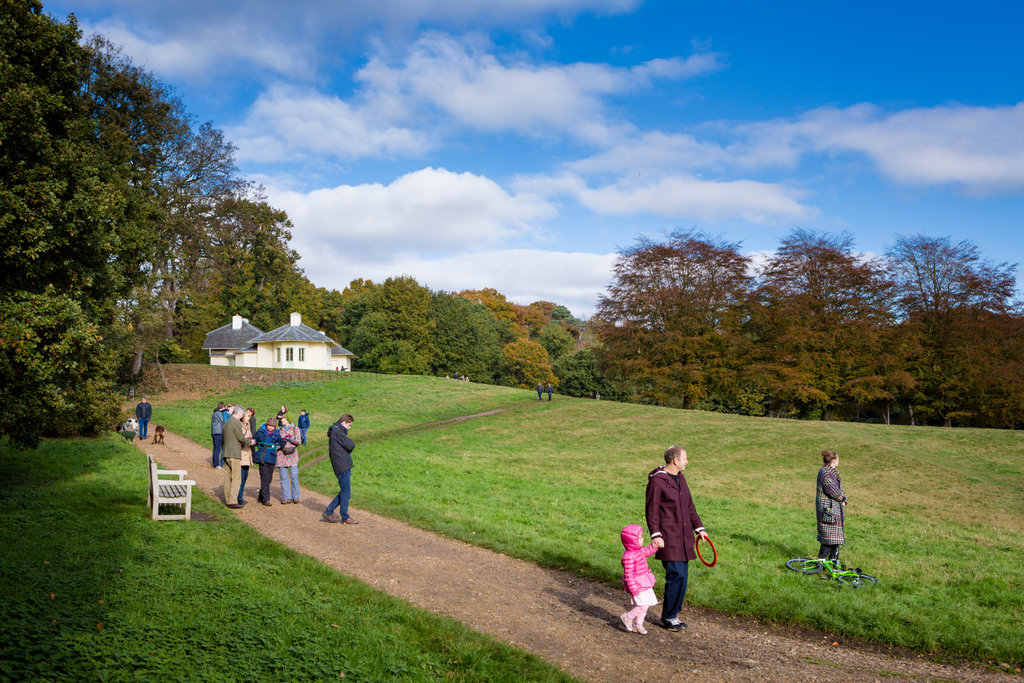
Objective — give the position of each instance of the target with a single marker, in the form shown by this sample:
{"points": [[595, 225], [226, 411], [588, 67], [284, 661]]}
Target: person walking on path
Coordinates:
{"points": [[217, 433], [638, 577], [143, 413], [673, 522], [540, 391], [829, 506], [268, 443], [235, 440], [288, 462], [303, 425], [340, 448], [550, 389]]}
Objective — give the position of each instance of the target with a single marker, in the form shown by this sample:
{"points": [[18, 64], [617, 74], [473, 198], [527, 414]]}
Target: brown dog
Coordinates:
{"points": [[158, 434]]}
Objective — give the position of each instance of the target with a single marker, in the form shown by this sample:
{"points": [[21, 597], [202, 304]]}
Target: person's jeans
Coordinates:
{"points": [[218, 439], [143, 427], [241, 487], [344, 493], [676, 574], [289, 476], [302, 433]]}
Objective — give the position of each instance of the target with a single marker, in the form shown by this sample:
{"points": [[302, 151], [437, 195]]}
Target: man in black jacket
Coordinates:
{"points": [[340, 448]]}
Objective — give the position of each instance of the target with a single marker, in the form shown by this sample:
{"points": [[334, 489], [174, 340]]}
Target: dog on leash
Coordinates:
{"points": [[158, 434]]}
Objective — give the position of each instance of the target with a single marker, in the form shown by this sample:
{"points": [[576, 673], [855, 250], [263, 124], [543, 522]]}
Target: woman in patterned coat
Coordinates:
{"points": [[829, 502]]}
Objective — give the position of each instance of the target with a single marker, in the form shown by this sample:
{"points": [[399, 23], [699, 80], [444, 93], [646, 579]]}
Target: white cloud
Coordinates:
{"points": [[191, 54], [461, 78], [681, 196], [572, 279], [190, 39], [284, 122], [431, 211], [980, 149]]}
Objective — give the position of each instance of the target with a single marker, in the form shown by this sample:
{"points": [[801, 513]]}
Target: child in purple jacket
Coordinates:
{"points": [[638, 577]]}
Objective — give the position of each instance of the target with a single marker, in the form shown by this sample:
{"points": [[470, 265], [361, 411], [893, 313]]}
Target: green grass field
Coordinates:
{"points": [[97, 591], [934, 513]]}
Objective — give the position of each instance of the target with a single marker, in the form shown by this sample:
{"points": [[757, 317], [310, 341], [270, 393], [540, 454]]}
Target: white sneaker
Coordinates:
{"points": [[626, 622]]}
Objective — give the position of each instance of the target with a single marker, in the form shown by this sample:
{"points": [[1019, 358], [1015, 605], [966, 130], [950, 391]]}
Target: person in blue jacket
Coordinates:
{"points": [[303, 425], [268, 443], [217, 433]]}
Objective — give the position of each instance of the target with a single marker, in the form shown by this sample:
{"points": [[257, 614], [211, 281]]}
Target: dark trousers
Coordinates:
{"points": [[676, 574], [218, 439], [241, 487], [829, 551], [266, 476]]}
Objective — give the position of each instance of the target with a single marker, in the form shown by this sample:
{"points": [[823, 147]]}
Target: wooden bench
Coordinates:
{"points": [[169, 491]]}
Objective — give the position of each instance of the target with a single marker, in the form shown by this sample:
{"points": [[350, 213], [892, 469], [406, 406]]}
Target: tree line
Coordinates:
{"points": [[928, 333], [131, 234]]}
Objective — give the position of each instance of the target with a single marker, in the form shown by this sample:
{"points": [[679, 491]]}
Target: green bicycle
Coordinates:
{"points": [[835, 569]]}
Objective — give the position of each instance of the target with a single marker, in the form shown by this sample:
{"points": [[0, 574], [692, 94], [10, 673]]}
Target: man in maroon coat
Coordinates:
{"points": [[673, 522]]}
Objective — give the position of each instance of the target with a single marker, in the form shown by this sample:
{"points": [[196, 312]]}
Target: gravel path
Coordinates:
{"points": [[567, 621]]}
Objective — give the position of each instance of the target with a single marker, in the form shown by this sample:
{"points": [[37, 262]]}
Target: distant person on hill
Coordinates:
{"points": [[340, 448], [235, 441], [144, 412], [673, 522], [550, 389], [288, 462], [217, 433], [829, 504], [268, 443], [638, 577], [303, 425], [540, 391]]}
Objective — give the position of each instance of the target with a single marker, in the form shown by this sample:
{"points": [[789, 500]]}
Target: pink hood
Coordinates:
{"points": [[629, 536]]}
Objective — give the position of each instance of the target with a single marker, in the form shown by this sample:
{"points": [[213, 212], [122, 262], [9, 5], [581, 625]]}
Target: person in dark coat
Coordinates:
{"points": [[217, 420], [268, 443], [144, 412], [550, 389], [540, 391], [829, 507], [303, 425], [340, 448], [673, 522]]}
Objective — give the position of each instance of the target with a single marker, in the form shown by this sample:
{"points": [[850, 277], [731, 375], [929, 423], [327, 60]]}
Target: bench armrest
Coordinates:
{"points": [[177, 473]]}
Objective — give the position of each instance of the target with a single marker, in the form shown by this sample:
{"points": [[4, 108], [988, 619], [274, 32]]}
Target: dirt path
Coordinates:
{"points": [[567, 621]]}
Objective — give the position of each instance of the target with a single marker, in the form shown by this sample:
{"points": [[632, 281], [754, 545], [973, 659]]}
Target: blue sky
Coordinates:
{"points": [[518, 144]]}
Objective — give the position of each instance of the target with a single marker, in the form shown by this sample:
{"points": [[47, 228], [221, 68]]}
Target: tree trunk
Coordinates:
{"points": [[911, 409], [136, 362], [160, 369]]}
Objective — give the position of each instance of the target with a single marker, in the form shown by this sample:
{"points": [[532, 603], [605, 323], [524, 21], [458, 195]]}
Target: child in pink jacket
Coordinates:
{"points": [[638, 578]]}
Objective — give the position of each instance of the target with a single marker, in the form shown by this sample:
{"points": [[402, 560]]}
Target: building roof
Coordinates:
{"points": [[231, 339], [342, 351], [296, 333]]}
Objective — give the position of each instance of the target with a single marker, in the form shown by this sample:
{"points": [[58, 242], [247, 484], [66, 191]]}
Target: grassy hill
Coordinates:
{"points": [[934, 513]]}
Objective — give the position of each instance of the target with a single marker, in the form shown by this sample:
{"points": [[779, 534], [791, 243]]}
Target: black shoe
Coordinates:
{"points": [[674, 625], [267, 503]]}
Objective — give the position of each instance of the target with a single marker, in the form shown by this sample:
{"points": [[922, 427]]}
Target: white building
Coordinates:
{"points": [[290, 346]]}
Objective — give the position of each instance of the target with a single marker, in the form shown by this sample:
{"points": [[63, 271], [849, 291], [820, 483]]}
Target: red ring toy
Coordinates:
{"points": [[714, 558]]}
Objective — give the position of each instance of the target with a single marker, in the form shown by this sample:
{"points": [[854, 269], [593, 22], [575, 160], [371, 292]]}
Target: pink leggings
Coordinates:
{"points": [[637, 614]]}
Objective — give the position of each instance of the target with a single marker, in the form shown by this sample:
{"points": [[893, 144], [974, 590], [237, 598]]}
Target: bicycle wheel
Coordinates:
{"points": [[856, 579], [804, 565]]}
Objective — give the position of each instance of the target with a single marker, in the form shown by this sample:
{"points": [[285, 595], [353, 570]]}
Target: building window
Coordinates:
{"points": [[302, 354], [279, 355], [288, 354]]}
